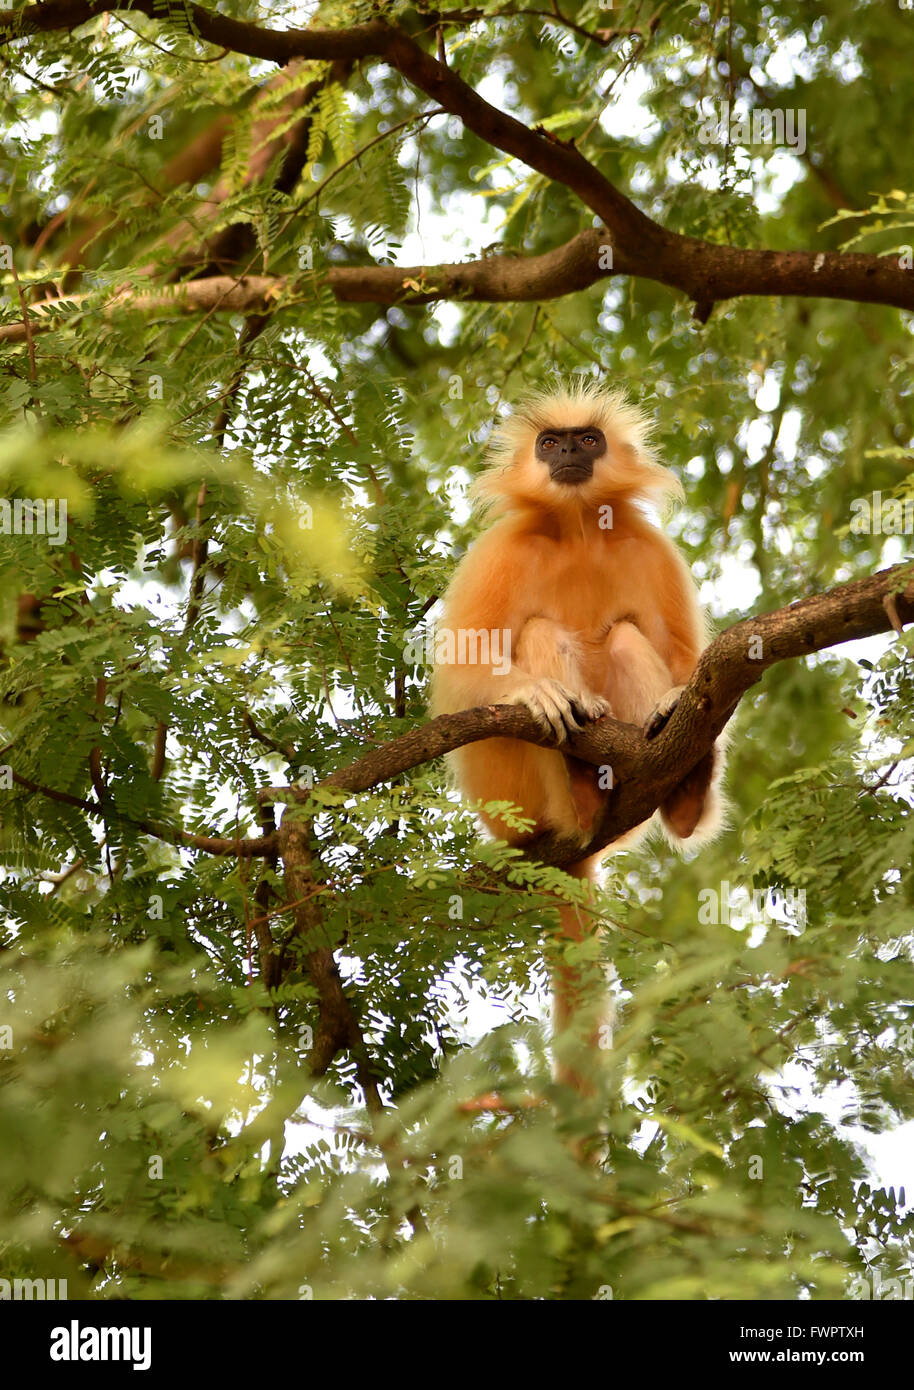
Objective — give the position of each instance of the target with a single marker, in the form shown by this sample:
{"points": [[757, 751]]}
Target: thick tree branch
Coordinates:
{"points": [[502, 279], [495, 279], [571, 267], [239, 36], [646, 771], [705, 272]]}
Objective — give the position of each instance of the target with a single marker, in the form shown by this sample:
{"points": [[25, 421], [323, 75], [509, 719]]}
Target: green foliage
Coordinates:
{"points": [[259, 517]]}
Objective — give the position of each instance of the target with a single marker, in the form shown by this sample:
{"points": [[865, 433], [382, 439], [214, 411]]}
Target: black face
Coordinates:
{"points": [[570, 454]]}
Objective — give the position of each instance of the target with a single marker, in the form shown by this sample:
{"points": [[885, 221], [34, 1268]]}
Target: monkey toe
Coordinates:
{"points": [[591, 707], [656, 721], [662, 712]]}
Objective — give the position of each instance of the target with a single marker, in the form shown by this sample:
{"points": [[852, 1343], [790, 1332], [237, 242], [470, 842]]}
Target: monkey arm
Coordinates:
{"points": [[493, 646], [487, 605]]}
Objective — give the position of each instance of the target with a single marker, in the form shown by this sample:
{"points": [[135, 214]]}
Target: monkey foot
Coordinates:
{"points": [[662, 712]]}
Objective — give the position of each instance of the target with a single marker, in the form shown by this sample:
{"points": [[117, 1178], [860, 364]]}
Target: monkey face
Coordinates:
{"points": [[570, 453]]}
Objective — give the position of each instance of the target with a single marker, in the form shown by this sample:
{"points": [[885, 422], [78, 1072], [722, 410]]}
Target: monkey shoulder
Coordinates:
{"points": [[644, 540], [513, 537]]}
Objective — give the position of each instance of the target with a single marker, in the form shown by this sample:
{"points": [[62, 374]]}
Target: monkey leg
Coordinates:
{"points": [[696, 804], [573, 794], [692, 806], [640, 688], [632, 675], [545, 648], [553, 791], [635, 674]]}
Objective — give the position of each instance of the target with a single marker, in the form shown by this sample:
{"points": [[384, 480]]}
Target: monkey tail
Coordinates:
{"points": [[696, 810], [581, 1017]]}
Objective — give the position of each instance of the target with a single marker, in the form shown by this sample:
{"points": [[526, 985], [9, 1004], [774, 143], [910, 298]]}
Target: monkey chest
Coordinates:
{"points": [[587, 594]]}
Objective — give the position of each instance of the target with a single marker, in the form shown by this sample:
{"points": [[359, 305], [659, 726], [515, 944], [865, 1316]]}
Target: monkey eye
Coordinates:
{"points": [[589, 439], [548, 442]]}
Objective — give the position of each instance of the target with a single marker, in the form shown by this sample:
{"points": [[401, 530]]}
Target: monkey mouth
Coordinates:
{"points": [[571, 473]]}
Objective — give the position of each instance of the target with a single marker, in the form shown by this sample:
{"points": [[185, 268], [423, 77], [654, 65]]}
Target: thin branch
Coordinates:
{"points": [[285, 749], [338, 1026], [212, 844], [26, 324], [53, 795], [423, 116], [830, 186]]}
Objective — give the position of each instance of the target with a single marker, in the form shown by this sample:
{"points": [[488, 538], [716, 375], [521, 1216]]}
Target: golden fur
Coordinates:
{"points": [[600, 612]]}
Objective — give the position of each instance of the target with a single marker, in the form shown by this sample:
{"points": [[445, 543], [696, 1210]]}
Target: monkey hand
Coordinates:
{"points": [[556, 709], [659, 716]]}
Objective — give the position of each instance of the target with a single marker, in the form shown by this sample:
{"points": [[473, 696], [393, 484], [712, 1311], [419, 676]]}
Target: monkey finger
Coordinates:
{"points": [[551, 722], [544, 707], [559, 705], [561, 719], [570, 710], [548, 722]]}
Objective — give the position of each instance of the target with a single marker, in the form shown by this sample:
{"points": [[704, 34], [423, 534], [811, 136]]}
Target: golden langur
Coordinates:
{"points": [[574, 604]]}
